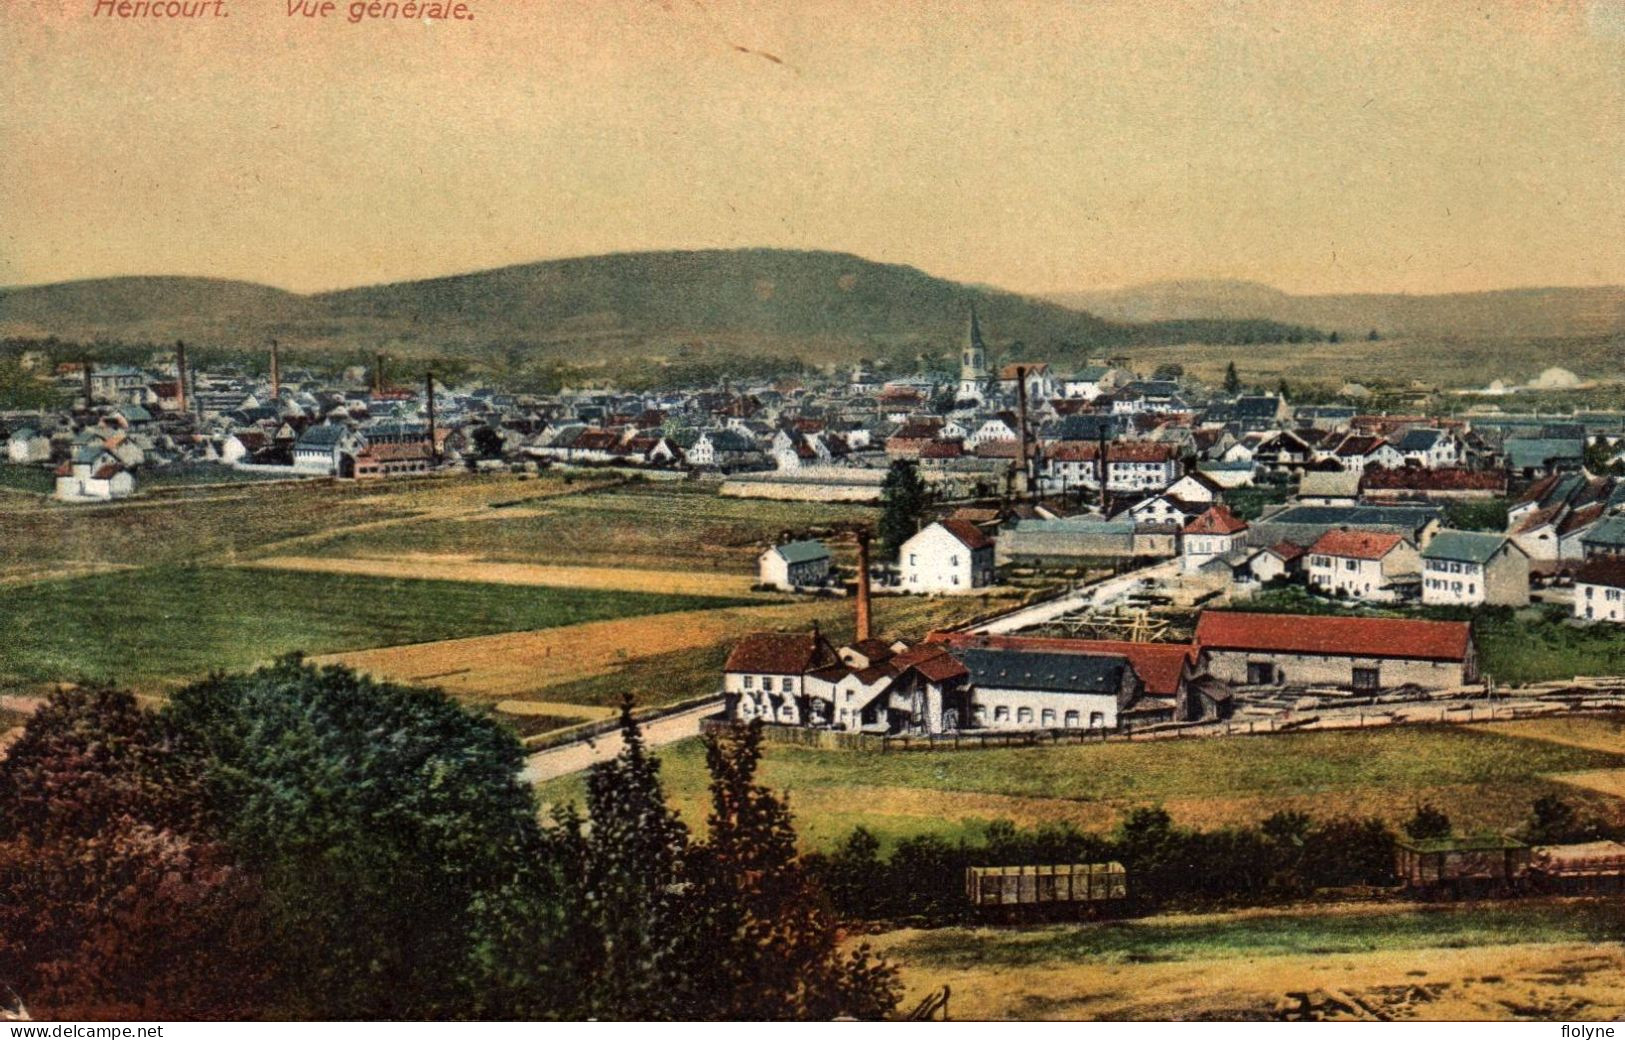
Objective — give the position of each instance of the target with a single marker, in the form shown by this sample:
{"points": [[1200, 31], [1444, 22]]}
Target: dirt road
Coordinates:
{"points": [[450, 567], [574, 757]]}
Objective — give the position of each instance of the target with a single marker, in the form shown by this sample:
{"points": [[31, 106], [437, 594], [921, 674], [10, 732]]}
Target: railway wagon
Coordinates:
{"points": [[1477, 865], [1583, 868], [1087, 888]]}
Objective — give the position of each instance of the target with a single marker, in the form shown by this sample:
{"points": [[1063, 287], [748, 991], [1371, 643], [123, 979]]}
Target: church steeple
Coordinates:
{"points": [[973, 360]]}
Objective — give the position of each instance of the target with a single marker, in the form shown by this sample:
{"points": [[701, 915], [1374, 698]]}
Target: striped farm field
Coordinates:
{"points": [[470, 568]]}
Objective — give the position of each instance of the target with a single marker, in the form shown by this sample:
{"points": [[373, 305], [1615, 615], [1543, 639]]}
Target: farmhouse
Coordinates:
{"points": [[1210, 535], [1466, 568], [1367, 654], [764, 675], [1599, 590], [1364, 565], [794, 565], [947, 556]]}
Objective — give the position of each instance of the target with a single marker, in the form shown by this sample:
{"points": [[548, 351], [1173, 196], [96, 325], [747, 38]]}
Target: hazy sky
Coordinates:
{"points": [[1403, 146]]}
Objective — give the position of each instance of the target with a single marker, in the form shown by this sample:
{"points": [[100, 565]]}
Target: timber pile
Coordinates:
{"points": [[1326, 1005]]}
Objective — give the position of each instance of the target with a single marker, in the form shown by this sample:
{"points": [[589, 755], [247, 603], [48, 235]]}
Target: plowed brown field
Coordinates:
{"points": [[518, 665]]}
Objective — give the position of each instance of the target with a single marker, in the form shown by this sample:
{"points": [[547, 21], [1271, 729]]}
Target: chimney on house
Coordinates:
{"points": [[428, 389], [276, 373], [180, 376], [863, 628], [378, 374]]}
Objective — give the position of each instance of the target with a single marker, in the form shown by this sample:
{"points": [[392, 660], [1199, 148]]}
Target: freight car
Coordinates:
{"points": [[1048, 890], [1494, 865]]}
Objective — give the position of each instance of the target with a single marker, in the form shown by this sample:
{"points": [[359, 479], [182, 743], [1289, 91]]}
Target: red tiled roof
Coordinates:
{"points": [[1415, 478], [931, 660], [786, 653], [1344, 636], [1361, 545], [1116, 451], [1159, 665], [1217, 520], [967, 533], [1604, 570], [942, 450], [1287, 551]]}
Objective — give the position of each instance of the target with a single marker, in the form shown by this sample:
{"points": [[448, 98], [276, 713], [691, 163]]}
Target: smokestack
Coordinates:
{"points": [[84, 368], [1104, 468], [276, 373], [863, 631], [1021, 406], [428, 388], [378, 375], [180, 376]]}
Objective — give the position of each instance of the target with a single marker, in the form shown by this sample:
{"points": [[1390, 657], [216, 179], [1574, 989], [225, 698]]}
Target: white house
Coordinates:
{"points": [[26, 446], [94, 475], [947, 556], [1364, 565], [1430, 448], [319, 448], [1214, 533], [794, 565], [1599, 590], [1467, 568]]}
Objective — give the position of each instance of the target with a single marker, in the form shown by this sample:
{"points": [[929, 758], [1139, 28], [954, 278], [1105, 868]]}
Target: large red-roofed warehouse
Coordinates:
{"points": [[1359, 653]]}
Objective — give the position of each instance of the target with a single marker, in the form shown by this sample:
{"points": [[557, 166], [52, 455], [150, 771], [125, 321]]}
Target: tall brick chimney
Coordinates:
{"points": [[180, 376], [378, 374], [276, 373], [428, 389], [85, 369], [863, 628]]}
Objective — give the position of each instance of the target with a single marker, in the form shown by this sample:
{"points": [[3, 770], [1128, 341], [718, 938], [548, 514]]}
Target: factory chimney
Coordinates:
{"points": [[85, 370], [1021, 414], [428, 389], [863, 628], [276, 373], [180, 376], [378, 375]]}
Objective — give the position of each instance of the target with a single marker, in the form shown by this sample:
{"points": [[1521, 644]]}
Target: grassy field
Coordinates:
{"points": [[1483, 777], [143, 625], [27, 478], [1194, 937], [194, 524], [1539, 959], [657, 525]]}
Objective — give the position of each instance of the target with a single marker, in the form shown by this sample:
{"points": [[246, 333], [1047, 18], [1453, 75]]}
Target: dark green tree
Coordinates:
{"points": [[488, 442], [904, 498], [771, 946], [633, 939], [1232, 379], [400, 851], [1429, 821], [1372, 336]]}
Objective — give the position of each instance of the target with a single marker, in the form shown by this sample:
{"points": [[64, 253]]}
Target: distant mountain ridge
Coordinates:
{"points": [[766, 302], [1533, 312]]}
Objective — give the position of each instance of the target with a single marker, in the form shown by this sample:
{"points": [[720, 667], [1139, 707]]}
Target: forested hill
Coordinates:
{"points": [[757, 301]]}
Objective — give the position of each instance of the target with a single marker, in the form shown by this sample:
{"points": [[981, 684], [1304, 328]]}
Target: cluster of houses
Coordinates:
{"points": [[954, 682]]}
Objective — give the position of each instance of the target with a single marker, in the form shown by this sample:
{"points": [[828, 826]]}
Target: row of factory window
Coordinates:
{"points": [[1453, 586], [1001, 713], [1611, 594], [787, 684]]}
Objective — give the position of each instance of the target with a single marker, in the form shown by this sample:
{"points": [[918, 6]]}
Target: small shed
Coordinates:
{"points": [[794, 565]]}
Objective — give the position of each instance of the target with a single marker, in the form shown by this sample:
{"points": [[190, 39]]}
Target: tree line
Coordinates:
{"points": [[308, 843]]}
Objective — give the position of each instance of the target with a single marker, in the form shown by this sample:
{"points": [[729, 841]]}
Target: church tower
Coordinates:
{"points": [[973, 362]]}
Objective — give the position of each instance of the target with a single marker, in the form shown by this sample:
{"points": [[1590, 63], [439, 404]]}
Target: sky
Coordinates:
{"points": [[1423, 146]]}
